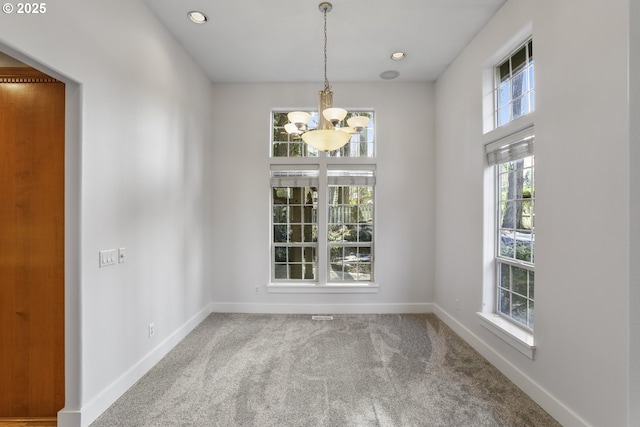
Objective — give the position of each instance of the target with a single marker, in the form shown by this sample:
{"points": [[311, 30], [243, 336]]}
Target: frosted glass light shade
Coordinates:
{"points": [[334, 115], [326, 139], [358, 122], [292, 129], [299, 117]]}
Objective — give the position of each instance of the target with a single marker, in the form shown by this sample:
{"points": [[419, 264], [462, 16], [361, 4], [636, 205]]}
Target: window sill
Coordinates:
{"points": [[312, 288], [518, 338]]}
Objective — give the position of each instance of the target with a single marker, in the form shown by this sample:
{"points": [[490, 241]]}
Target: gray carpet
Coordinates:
{"points": [[356, 370]]}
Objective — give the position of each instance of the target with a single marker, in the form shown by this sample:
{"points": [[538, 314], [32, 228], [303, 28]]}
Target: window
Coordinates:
{"points": [[322, 209], [514, 85], [295, 224], [350, 235], [513, 160], [285, 145]]}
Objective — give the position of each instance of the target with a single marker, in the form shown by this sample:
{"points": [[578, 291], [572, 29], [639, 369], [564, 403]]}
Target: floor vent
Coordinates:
{"points": [[322, 317]]}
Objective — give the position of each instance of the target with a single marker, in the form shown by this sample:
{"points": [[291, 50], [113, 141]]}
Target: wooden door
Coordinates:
{"points": [[31, 245]]}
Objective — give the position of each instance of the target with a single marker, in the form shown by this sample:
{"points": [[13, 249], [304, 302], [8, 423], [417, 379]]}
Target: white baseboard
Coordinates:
{"points": [[94, 408], [542, 397], [68, 418], [321, 308]]}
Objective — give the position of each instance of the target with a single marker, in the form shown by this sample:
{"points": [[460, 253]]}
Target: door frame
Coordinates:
{"points": [[70, 415]]}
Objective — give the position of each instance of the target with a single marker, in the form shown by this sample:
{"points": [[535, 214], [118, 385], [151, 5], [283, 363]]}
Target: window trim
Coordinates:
{"points": [[308, 175], [496, 84], [323, 162], [364, 180], [509, 331], [320, 154]]}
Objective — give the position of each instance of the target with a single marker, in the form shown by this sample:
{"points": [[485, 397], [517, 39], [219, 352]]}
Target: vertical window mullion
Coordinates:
{"points": [[323, 212]]}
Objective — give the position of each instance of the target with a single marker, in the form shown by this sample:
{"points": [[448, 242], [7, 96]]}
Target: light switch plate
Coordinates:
{"points": [[107, 257]]}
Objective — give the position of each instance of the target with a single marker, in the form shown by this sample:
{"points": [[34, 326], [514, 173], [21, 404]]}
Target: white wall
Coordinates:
{"points": [[404, 196], [634, 214], [582, 204], [135, 147]]}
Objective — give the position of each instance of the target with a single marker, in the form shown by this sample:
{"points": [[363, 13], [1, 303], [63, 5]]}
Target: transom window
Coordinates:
{"points": [[285, 145], [514, 85]]}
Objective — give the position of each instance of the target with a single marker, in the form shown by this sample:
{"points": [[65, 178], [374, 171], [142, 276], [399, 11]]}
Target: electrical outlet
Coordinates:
{"points": [[152, 330], [257, 289], [122, 254]]}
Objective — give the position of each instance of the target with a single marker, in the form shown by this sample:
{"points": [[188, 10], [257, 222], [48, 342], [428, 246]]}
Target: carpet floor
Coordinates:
{"points": [[355, 370]]}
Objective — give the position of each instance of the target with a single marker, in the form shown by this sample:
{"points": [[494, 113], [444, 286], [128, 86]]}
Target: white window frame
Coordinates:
{"points": [[301, 176], [514, 262], [323, 162], [528, 75], [349, 176], [521, 338]]}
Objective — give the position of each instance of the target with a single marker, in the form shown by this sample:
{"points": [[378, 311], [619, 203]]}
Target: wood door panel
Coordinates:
{"points": [[31, 246]]}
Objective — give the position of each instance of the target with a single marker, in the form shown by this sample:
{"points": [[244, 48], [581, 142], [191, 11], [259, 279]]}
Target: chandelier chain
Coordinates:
{"points": [[327, 87]]}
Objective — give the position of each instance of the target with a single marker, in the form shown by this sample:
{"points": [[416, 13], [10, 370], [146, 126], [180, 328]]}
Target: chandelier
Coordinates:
{"points": [[330, 134]]}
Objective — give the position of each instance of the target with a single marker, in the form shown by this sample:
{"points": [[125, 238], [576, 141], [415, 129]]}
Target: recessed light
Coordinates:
{"points": [[389, 75], [197, 17], [398, 56]]}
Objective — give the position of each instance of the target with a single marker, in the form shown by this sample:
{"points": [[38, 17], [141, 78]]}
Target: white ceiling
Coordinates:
{"points": [[259, 41]]}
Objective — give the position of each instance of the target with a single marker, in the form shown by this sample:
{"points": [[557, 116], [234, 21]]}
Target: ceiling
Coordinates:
{"points": [[259, 41]]}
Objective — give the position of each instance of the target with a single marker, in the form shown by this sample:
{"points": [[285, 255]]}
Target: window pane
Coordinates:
{"points": [[504, 93], [520, 281], [365, 233], [295, 254], [504, 115], [519, 309], [336, 233], [280, 271], [505, 276], [351, 233], [519, 84], [296, 234], [519, 59], [336, 263], [280, 254], [279, 214], [531, 280], [520, 107], [280, 233], [504, 71], [335, 214], [361, 143], [309, 254], [524, 248], [505, 303], [507, 243], [364, 272], [310, 233]]}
